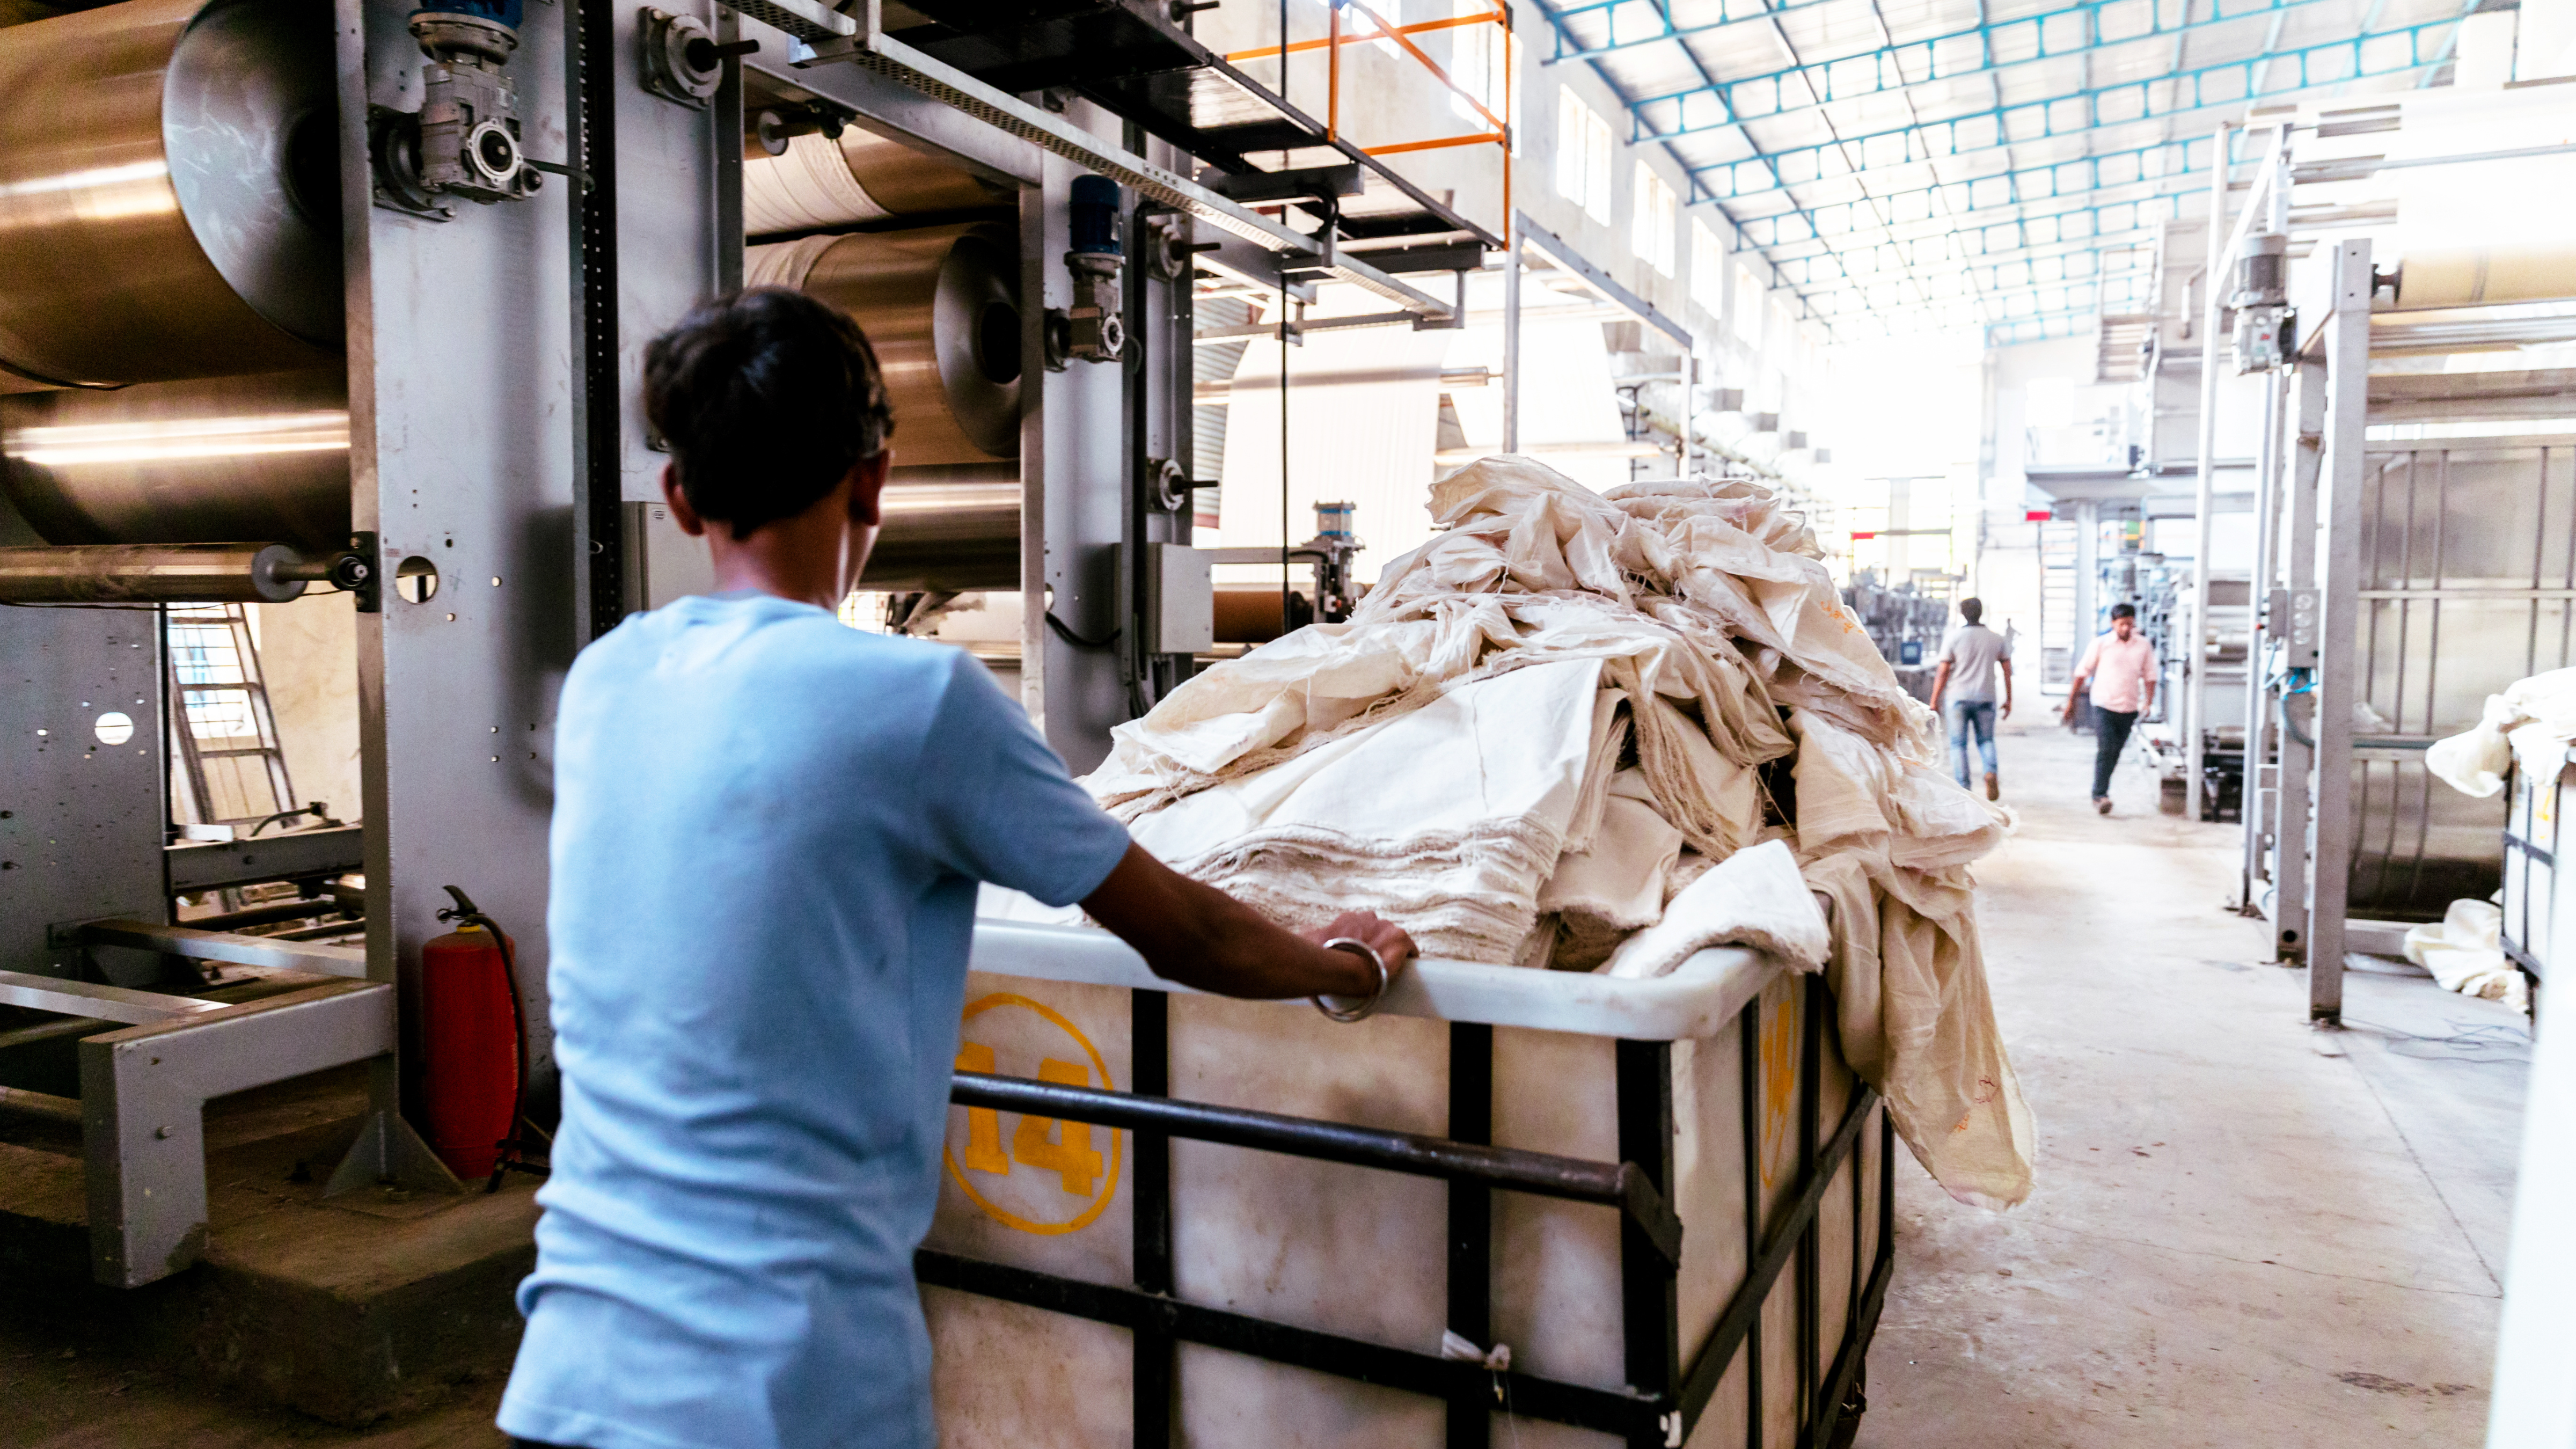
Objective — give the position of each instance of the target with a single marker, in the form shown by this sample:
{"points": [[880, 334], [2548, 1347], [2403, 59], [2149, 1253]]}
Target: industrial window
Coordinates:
{"points": [[1583, 151], [1654, 221], [1486, 64], [1708, 268], [1390, 11], [1748, 306]]}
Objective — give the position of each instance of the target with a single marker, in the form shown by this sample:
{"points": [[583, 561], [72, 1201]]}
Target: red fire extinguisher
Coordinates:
{"points": [[473, 1053]]}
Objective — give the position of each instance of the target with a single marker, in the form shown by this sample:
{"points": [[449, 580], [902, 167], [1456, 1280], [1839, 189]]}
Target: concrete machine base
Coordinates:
{"points": [[366, 1305]]}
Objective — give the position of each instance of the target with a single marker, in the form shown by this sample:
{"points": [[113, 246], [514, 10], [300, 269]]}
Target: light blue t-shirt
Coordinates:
{"points": [[768, 832]]}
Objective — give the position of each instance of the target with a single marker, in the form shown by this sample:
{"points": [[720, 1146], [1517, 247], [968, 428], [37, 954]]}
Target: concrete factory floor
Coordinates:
{"points": [[2244, 1231]]}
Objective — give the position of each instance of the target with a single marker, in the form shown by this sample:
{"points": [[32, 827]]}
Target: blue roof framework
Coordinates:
{"points": [[1916, 165]]}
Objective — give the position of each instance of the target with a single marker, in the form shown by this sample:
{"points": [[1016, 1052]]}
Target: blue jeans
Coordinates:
{"points": [[1965, 715]]}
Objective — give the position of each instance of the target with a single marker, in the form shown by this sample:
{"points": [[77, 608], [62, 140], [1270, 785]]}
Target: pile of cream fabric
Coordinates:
{"points": [[1558, 734], [2465, 952], [2533, 721]]}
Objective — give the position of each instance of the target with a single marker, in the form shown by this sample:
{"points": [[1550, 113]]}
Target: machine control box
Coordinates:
{"points": [[1180, 600]]}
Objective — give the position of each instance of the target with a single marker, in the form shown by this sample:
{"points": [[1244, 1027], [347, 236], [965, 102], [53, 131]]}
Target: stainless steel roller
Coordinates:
{"points": [[263, 457], [953, 529], [197, 573], [849, 180], [267, 457], [169, 192], [941, 305]]}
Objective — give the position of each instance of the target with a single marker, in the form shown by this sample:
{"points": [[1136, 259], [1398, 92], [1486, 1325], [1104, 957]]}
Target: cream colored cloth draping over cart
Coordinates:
{"points": [[1542, 738], [2534, 720]]}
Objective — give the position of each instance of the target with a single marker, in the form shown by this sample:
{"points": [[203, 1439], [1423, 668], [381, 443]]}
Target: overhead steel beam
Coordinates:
{"points": [[1626, 103], [2041, 298], [1999, 296], [2026, 227], [1566, 21], [1834, 231], [2043, 327], [1598, 280], [2061, 31], [2068, 269], [876, 52], [2085, 256], [2036, 181], [2078, 109]]}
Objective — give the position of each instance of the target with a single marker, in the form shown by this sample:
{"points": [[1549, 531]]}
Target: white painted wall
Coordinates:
{"points": [[308, 653]]}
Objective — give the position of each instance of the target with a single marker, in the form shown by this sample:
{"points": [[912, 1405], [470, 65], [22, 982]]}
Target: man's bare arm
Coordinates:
{"points": [[1201, 937], [1940, 681], [2006, 666]]}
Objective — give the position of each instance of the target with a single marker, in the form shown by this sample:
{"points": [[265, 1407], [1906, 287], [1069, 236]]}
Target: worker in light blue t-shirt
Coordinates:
{"points": [[768, 833]]}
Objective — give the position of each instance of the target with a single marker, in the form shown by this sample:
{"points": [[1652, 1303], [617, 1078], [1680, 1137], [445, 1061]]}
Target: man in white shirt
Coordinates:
{"points": [[1969, 664], [2121, 667]]}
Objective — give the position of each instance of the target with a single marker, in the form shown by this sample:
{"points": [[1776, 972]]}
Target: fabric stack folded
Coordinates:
{"points": [[1600, 732]]}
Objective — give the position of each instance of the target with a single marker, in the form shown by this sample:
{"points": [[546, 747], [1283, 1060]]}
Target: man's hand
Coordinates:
{"points": [[2004, 713], [1202, 937], [1382, 936]]}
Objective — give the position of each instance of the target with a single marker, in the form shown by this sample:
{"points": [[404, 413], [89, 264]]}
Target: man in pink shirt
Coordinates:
{"points": [[2122, 669]]}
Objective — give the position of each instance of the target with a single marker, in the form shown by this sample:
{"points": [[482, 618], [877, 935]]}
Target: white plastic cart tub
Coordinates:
{"points": [[1088, 1285]]}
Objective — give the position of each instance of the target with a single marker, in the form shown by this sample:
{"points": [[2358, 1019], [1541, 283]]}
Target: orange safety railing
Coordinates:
{"points": [[1335, 38]]}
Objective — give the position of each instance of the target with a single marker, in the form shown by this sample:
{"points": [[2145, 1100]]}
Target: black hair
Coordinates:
{"points": [[2124, 611], [1972, 609], [767, 398]]}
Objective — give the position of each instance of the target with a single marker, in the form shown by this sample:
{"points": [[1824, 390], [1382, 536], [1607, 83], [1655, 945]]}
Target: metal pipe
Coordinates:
{"points": [[2267, 502], [271, 914], [40, 1104], [2196, 661], [1617, 1184], [198, 945], [2346, 356], [1511, 333], [187, 573]]}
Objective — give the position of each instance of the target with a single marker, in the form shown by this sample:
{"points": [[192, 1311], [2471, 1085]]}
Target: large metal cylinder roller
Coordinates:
{"points": [[941, 306], [951, 529], [2484, 276], [215, 460], [850, 180], [267, 458], [169, 193]]}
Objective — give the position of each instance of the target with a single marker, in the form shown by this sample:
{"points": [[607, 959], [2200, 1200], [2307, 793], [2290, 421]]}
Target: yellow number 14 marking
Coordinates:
{"points": [[1042, 1143]]}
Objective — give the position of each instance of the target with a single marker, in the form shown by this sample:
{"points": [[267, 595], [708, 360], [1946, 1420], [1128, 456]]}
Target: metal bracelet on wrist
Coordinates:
{"points": [[1368, 1005]]}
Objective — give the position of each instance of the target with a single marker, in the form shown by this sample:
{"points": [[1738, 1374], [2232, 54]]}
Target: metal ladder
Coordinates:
{"points": [[224, 733]]}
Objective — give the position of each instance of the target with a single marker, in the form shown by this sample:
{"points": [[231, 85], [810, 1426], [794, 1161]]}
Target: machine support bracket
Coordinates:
{"points": [[143, 1096]]}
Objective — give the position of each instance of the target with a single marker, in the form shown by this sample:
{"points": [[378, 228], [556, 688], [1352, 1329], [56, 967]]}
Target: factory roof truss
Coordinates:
{"points": [[1919, 165]]}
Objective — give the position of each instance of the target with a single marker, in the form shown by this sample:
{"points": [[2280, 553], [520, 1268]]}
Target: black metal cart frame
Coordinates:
{"points": [[1663, 1400]]}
